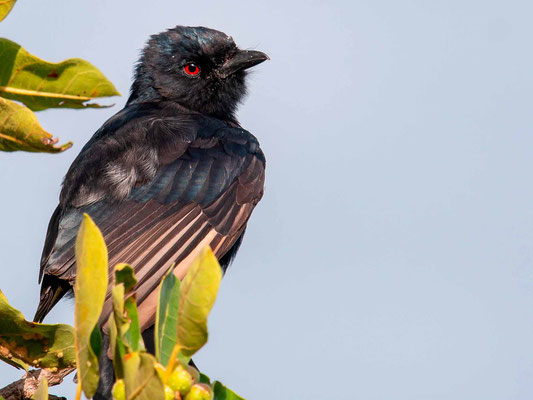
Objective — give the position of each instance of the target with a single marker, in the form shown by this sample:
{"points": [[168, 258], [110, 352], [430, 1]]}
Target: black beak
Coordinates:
{"points": [[244, 59]]}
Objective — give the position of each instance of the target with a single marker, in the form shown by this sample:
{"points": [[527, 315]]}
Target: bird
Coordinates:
{"points": [[170, 173]]}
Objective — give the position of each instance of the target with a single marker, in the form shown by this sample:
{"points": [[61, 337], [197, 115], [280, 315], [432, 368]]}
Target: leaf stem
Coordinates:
{"points": [[26, 92], [172, 361], [78, 390]]}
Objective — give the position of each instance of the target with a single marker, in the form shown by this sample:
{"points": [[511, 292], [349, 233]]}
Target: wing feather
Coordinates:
{"points": [[205, 196]]}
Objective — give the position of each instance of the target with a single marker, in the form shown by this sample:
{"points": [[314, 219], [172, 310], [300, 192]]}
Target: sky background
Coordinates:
{"points": [[392, 254]]}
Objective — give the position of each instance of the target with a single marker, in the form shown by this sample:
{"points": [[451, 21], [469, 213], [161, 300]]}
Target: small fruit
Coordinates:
{"points": [[180, 380], [119, 390], [200, 391], [169, 393], [194, 373]]}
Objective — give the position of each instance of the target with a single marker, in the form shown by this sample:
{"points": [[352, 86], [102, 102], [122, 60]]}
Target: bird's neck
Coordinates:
{"points": [[143, 88]]}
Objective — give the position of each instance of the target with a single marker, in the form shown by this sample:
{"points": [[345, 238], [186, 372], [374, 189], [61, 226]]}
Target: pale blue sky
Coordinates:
{"points": [[392, 254]]}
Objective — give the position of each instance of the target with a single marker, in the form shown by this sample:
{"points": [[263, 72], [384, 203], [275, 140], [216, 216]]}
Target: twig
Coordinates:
{"points": [[25, 387]]}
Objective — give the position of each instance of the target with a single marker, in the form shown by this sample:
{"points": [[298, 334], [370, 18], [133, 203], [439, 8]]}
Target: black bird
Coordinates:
{"points": [[167, 175]]}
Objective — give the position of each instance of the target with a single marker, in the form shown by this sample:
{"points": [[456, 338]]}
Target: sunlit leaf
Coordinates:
{"points": [[166, 323], [90, 289], [198, 292], [5, 7], [40, 345], [141, 378], [20, 130], [42, 391], [41, 84]]}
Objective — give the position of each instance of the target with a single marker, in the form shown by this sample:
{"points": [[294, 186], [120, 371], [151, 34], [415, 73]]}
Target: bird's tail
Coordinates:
{"points": [[52, 290]]}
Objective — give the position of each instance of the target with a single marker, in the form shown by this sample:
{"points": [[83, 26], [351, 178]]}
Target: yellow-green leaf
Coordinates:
{"points": [[141, 378], [40, 345], [5, 8], [42, 391], [90, 290], [20, 130], [122, 324], [166, 321], [116, 347], [198, 292], [41, 84]]}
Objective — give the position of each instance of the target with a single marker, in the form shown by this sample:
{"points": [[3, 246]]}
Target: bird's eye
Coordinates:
{"points": [[192, 69]]}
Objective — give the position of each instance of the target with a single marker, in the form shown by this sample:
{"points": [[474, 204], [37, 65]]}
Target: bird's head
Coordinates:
{"points": [[199, 68]]}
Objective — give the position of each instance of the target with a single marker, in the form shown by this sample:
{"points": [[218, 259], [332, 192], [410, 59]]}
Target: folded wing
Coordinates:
{"points": [[204, 197]]}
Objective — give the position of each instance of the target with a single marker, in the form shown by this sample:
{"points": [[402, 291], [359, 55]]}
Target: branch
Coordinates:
{"points": [[25, 387]]}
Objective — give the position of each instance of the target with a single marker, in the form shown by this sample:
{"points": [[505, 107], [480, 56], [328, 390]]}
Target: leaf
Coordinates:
{"points": [[90, 290], [204, 379], [166, 320], [20, 130], [41, 84], [5, 8], [95, 340], [223, 393], [198, 292], [116, 347], [42, 391], [125, 314], [40, 345], [133, 334], [124, 274], [141, 378], [117, 298]]}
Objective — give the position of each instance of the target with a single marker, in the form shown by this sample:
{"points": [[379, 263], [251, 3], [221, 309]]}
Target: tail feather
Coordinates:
{"points": [[52, 290]]}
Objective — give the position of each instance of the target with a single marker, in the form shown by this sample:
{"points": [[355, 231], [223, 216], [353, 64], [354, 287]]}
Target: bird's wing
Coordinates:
{"points": [[204, 197]]}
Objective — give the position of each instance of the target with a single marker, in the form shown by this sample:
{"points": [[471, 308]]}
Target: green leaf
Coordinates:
{"points": [[90, 290], [96, 340], [198, 292], [41, 84], [204, 379], [5, 8], [141, 378], [40, 345], [20, 130], [42, 391], [223, 393], [124, 274], [166, 321], [133, 334], [125, 314]]}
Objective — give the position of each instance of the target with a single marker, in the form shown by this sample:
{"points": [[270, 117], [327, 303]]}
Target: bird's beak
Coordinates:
{"points": [[244, 59]]}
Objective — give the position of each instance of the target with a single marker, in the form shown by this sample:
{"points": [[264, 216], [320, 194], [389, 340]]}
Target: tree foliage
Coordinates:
{"points": [[28, 83], [181, 329]]}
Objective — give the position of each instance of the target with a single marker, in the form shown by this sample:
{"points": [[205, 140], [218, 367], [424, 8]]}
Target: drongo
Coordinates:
{"points": [[167, 175]]}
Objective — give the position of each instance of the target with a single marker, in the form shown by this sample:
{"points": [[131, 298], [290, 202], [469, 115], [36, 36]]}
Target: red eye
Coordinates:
{"points": [[192, 69]]}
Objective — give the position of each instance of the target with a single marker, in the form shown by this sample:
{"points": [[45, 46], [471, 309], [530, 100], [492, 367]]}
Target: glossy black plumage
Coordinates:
{"points": [[168, 174]]}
